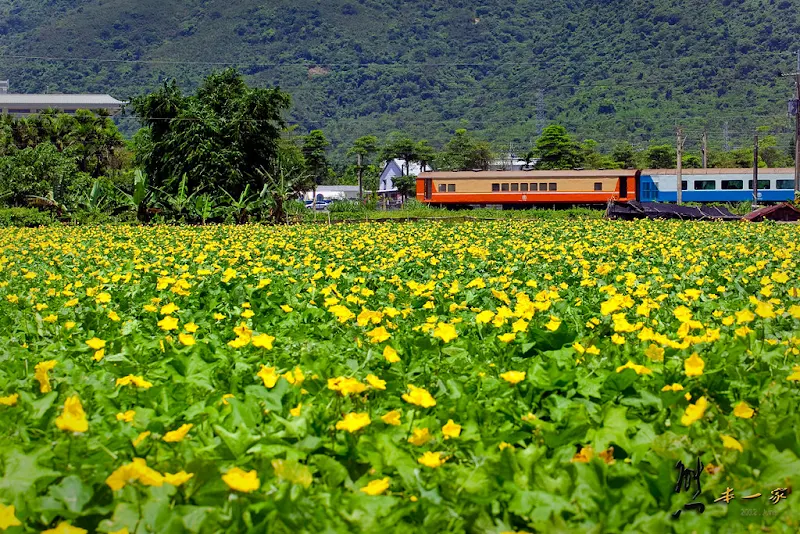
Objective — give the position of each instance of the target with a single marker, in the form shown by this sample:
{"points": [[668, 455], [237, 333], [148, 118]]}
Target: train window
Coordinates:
{"points": [[732, 184], [598, 186], [542, 187], [762, 184], [705, 185], [451, 188], [534, 187], [523, 187], [684, 185], [515, 187], [784, 184], [553, 187], [495, 187], [504, 187]]}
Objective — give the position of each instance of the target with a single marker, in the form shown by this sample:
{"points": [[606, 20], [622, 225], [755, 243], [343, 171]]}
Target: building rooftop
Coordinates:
{"points": [[58, 100]]}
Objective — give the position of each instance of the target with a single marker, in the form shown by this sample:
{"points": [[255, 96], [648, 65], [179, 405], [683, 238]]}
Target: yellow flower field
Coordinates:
{"points": [[501, 376]]}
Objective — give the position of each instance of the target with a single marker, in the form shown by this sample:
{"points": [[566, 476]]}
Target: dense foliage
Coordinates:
{"points": [[611, 71], [482, 377]]}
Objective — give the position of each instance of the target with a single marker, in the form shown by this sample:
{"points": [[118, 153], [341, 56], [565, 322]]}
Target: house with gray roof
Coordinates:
{"points": [[20, 104]]}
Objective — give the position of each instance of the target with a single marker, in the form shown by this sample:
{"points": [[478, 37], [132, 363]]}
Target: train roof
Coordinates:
{"points": [[525, 175], [711, 172]]}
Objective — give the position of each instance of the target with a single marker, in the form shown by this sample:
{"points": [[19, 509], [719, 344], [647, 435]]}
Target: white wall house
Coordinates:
{"points": [[333, 192], [394, 168]]}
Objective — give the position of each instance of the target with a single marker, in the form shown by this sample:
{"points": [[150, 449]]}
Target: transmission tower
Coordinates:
{"points": [[726, 136]]}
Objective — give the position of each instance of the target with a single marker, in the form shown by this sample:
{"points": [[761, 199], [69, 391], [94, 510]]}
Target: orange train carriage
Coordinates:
{"points": [[526, 188]]}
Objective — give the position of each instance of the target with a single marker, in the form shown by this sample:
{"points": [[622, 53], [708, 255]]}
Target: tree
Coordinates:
{"points": [[363, 148], [316, 161], [40, 171], [661, 157], [464, 152], [425, 153], [557, 150], [219, 138], [626, 155], [406, 185], [400, 146]]}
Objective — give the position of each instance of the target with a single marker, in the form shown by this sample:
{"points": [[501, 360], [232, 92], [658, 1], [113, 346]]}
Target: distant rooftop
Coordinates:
{"points": [[58, 100]]}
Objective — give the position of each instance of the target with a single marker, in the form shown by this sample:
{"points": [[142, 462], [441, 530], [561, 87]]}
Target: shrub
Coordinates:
{"points": [[24, 217]]}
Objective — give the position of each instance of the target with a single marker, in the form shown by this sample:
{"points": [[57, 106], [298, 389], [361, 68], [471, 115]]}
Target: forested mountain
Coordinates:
{"points": [[611, 70]]}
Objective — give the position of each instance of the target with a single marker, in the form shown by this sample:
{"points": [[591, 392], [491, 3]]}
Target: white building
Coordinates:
{"points": [[19, 104], [511, 162], [395, 168], [333, 192]]}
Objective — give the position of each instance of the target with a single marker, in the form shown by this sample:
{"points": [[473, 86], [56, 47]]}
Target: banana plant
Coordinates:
{"points": [[241, 207], [140, 199]]}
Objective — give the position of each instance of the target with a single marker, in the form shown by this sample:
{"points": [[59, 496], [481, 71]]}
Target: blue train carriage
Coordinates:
{"points": [[717, 185]]}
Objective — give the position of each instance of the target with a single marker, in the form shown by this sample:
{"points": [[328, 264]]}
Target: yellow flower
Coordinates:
{"points": [[70, 303], [269, 376], [286, 308], [103, 298], [346, 386], [420, 436], [744, 316], [513, 377], [65, 528], [694, 365], [507, 338], [10, 400], [190, 327], [743, 410], [765, 310], [376, 382], [99, 355], [140, 438], [247, 314], [432, 459], [683, 314], [126, 416], [123, 530], [69, 325], [617, 339], [391, 418], [52, 318], [168, 323], [640, 369], [376, 487], [177, 479], [176, 436], [446, 332], [553, 324], [592, 350], [584, 456], [390, 354], [731, 443], [9, 519], [239, 480], [96, 343], [186, 339], [150, 308], [377, 335], [226, 397], [353, 422], [113, 316], [40, 373], [169, 309], [218, 316], [655, 353], [795, 376], [263, 341], [673, 387], [742, 331], [73, 418], [419, 396], [484, 317], [451, 430], [694, 412], [296, 410], [134, 380]]}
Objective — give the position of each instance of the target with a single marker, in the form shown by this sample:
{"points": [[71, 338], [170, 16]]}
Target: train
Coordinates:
{"points": [[517, 189]]}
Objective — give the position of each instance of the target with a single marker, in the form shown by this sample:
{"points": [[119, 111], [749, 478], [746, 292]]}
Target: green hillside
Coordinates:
{"points": [[610, 70]]}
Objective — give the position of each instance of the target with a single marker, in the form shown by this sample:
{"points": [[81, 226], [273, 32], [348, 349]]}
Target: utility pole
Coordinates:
{"points": [[755, 171], [679, 185], [794, 108], [360, 181], [705, 149], [726, 135]]}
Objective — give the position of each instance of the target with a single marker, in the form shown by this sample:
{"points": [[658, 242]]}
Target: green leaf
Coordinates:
{"points": [[22, 471]]}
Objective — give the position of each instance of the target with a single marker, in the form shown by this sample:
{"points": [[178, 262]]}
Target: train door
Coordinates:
{"points": [[623, 187], [428, 188]]}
